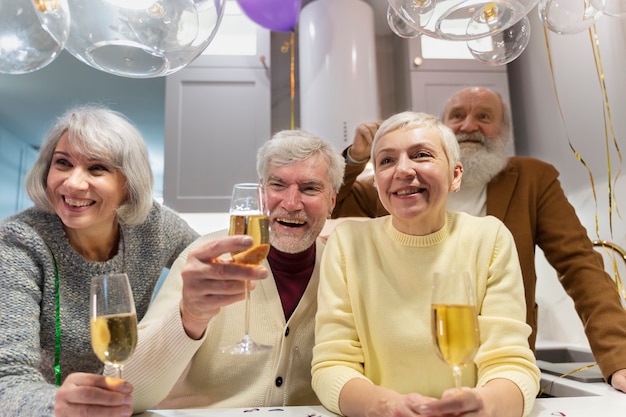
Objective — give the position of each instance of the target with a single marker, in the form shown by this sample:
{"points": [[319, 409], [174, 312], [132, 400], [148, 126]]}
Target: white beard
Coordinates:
{"points": [[482, 158]]}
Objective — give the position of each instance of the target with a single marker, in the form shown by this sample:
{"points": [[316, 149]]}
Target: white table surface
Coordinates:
{"points": [[600, 401]]}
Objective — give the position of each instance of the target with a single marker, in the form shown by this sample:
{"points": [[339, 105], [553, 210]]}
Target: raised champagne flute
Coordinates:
{"points": [[113, 320], [248, 216], [454, 323]]}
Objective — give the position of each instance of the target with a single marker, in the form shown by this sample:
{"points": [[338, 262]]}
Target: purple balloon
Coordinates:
{"points": [[277, 15]]}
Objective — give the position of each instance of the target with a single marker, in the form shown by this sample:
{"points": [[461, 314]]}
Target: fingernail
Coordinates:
{"points": [[424, 409], [128, 399]]}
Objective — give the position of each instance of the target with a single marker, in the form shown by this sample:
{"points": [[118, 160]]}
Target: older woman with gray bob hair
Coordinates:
{"points": [[99, 133], [94, 214]]}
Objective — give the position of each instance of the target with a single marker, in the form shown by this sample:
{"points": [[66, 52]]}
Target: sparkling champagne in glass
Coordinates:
{"points": [[113, 320], [454, 323], [248, 216]]}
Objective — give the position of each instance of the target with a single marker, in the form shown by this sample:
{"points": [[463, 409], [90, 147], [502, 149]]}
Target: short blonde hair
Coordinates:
{"points": [[411, 119]]}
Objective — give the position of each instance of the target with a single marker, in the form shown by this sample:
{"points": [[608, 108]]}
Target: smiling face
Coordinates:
{"points": [[84, 192], [300, 199], [476, 116], [413, 177], [475, 110]]}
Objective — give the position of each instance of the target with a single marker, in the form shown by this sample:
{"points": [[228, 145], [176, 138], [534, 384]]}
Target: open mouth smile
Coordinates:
{"points": [[78, 203]]}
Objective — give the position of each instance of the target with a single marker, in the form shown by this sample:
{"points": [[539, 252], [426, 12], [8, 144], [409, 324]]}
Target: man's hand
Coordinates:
{"points": [[618, 380], [210, 283], [362, 143], [93, 395]]}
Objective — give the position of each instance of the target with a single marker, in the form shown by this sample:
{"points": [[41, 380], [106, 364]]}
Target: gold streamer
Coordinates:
{"points": [[608, 119], [582, 368], [289, 46], [608, 131], [292, 74], [569, 141]]}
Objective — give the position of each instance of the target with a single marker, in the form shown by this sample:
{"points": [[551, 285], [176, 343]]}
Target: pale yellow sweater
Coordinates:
{"points": [[373, 316]]}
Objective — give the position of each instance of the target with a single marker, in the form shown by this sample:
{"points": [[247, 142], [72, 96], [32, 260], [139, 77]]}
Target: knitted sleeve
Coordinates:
{"points": [[23, 389]]}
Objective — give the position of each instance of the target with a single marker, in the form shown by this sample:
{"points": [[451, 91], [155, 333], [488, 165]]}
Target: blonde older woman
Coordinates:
{"points": [[373, 354]]}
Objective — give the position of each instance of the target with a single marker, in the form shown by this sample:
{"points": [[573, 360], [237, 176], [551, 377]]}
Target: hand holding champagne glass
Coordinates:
{"points": [[453, 321], [248, 216], [113, 320]]}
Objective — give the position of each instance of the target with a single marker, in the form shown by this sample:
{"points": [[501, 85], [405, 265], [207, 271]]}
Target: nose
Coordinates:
{"points": [[468, 125], [77, 179], [292, 199], [404, 167]]}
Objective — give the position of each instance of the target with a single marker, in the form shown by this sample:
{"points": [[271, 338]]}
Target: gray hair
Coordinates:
{"points": [[289, 146], [100, 133], [411, 119]]}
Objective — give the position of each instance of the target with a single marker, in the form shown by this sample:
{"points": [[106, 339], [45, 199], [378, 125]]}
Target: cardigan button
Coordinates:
{"points": [[279, 381], [287, 331]]}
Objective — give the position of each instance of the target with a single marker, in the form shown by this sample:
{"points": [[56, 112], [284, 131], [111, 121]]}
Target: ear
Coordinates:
{"points": [[457, 175]]}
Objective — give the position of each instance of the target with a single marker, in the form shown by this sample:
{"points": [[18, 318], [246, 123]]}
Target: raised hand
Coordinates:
{"points": [[211, 282], [362, 142]]}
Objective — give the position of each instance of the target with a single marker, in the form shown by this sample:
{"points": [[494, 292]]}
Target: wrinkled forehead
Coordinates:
{"points": [[314, 169], [475, 101]]}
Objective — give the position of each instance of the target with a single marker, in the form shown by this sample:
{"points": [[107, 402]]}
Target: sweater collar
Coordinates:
{"points": [[291, 262], [419, 241]]}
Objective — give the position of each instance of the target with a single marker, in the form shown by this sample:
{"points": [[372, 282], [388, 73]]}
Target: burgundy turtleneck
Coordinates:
{"points": [[292, 272]]}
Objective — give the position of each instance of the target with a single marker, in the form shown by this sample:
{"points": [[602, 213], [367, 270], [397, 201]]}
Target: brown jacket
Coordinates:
{"points": [[528, 198]]}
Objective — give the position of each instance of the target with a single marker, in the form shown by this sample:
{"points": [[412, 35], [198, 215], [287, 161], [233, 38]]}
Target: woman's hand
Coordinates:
{"points": [[498, 398], [93, 395]]}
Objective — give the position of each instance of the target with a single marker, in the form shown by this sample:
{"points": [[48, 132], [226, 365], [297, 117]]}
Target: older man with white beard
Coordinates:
{"points": [[526, 195]]}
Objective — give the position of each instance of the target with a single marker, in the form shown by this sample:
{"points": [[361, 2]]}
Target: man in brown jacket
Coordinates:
{"points": [[526, 195]]}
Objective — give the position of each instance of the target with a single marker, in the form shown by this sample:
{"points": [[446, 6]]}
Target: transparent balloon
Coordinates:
{"points": [[476, 19], [131, 38], [32, 33], [615, 8], [210, 14], [399, 26], [415, 14], [452, 19], [502, 47], [567, 17]]}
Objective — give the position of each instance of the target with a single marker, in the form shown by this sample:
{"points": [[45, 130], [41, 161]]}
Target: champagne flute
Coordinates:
{"points": [[454, 323], [113, 320], [248, 216]]}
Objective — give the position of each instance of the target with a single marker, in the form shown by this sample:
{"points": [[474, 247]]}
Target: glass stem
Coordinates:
{"points": [[246, 334], [118, 371], [457, 372]]}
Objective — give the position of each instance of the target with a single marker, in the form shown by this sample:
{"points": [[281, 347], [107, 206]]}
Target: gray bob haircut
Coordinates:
{"points": [[98, 132], [414, 120], [290, 146]]}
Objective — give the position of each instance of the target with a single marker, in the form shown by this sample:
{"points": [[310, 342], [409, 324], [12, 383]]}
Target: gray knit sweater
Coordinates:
{"points": [[30, 243]]}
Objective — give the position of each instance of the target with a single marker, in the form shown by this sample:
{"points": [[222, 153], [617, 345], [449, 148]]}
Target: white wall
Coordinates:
{"points": [[541, 132]]}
